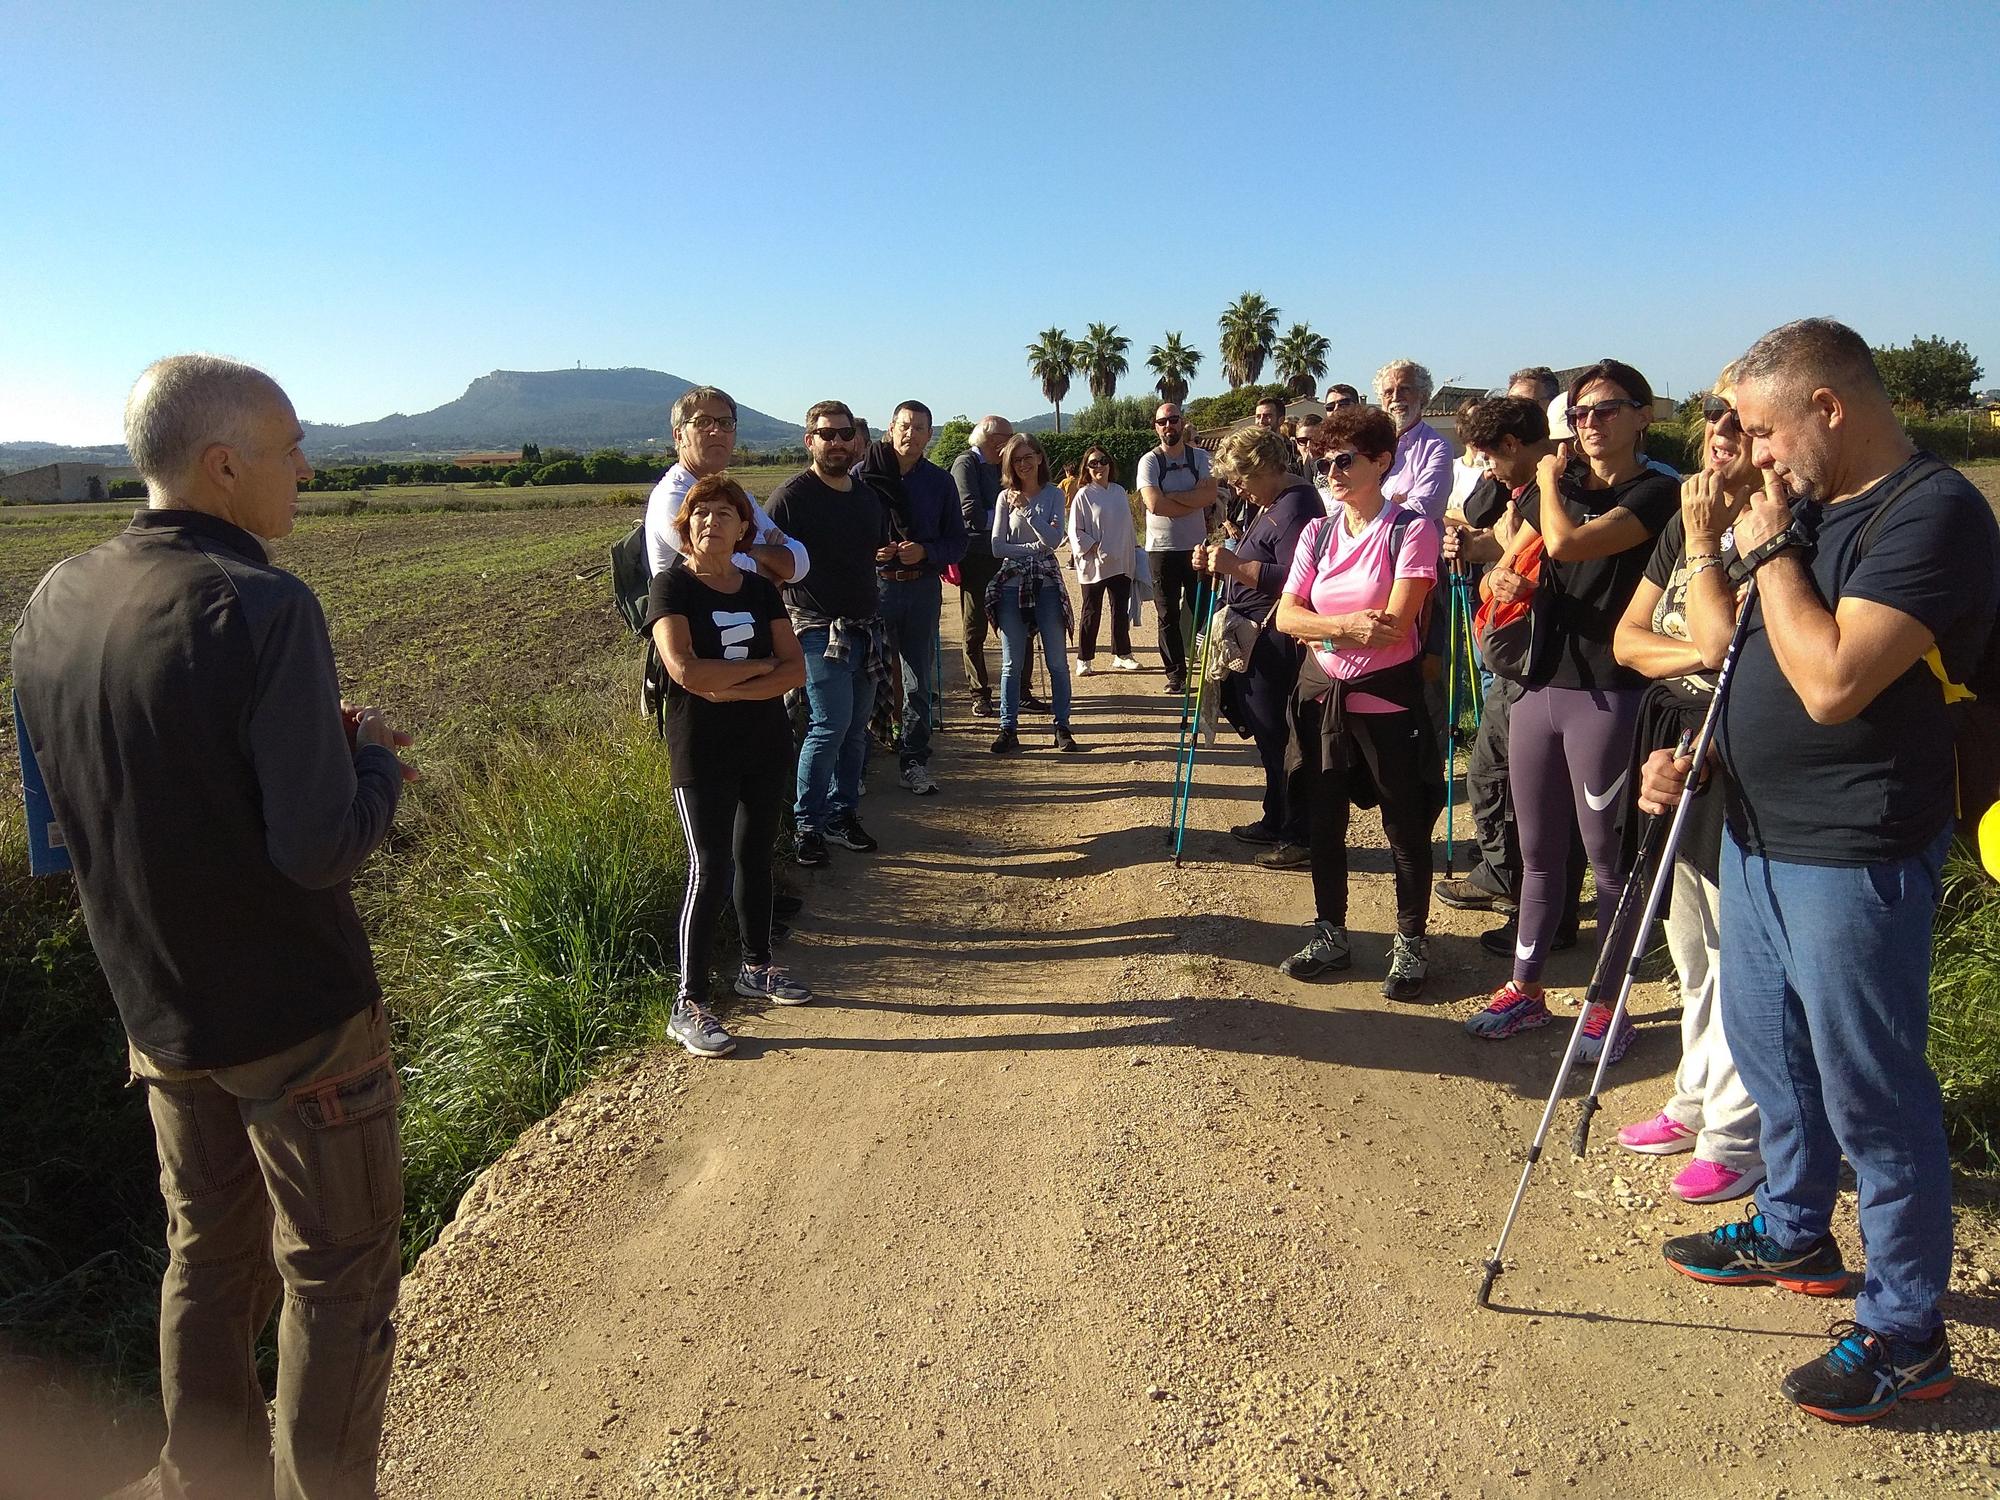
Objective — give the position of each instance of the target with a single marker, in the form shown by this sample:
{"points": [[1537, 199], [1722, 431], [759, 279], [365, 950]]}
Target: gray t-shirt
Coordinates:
{"points": [[1175, 476]]}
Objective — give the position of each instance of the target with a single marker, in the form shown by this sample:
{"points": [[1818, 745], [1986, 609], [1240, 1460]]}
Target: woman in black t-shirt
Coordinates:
{"points": [[1570, 737], [731, 657]]}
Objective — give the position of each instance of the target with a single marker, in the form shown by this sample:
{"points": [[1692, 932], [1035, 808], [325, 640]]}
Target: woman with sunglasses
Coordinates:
{"points": [[1711, 1112], [1027, 593], [1255, 462], [1101, 543], [1355, 596], [1570, 740]]}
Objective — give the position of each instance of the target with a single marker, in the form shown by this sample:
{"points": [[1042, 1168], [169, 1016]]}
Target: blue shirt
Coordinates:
{"points": [[935, 519]]}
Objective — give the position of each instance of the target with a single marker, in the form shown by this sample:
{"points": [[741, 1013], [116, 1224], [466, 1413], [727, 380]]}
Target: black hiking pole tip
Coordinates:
{"points": [[1486, 1286]]}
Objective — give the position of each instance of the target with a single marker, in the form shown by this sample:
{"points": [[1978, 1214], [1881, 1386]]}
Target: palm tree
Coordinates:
{"points": [[1248, 325], [1103, 359], [1300, 357], [1052, 359], [1174, 363]]}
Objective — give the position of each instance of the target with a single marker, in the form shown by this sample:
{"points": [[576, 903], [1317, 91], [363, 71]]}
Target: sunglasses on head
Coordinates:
{"points": [[1719, 411], [834, 434]]}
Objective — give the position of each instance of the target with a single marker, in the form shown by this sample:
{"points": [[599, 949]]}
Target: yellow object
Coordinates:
{"points": [[1989, 841]]}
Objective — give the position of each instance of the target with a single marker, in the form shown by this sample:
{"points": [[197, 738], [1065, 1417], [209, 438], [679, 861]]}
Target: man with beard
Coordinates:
{"points": [[1421, 475], [926, 535], [1177, 489], [837, 612]]}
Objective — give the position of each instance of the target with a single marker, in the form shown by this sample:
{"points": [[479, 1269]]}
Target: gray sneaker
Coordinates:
{"points": [[769, 982], [917, 779], [695, 1029], [1327, 951], [1408, 964]]}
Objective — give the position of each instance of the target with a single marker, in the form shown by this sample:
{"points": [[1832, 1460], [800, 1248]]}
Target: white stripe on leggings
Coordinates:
{"points": [[693, 884]]}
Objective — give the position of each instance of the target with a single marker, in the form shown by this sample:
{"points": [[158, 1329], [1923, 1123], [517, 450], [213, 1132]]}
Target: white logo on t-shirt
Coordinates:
{"points": [[735, 627]]}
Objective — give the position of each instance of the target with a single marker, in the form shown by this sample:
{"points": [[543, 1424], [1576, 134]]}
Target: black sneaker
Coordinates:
{"points": [[982, 707], [1327, 951], [1864, 1374], [1033, 704], [849, 834], [1064, 739], [811, 848], [1501, 939], [1742, 1254], [1005, 743], [1256, 833], [1284, 857], [1174, 687]]}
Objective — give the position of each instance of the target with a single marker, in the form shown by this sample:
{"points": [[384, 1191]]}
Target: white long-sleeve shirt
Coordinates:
{"points": [[664, 541]]}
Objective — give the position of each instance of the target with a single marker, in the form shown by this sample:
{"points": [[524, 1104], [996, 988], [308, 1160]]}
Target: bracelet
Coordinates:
{"points": [[1701, 565], [1703, 557]]}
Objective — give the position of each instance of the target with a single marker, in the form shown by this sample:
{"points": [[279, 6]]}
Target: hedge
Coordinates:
{"points": [[1125, 448]]}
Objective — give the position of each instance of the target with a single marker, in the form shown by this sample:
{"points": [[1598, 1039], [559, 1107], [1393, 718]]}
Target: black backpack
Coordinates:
{"points": [[631, 585]]}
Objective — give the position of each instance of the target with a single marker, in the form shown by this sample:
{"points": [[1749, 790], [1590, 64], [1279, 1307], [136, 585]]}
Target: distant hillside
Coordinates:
{"points": [[15, 457], [582, 409]]}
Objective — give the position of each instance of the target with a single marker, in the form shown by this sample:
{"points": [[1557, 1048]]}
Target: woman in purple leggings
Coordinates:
{"points": [[1570, 744]]}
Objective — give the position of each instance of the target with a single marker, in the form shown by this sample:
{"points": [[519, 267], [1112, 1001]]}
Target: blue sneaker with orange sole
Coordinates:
{"points": [[1744, 1254], [1866, 1373]]}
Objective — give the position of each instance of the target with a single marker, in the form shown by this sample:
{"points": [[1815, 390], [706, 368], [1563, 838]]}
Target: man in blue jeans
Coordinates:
{"points": [[927, 535], [1878, 576], [837, 612]]}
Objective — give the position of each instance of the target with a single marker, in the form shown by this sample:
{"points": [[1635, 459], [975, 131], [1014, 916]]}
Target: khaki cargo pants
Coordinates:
{"points": [[282, 1176]]}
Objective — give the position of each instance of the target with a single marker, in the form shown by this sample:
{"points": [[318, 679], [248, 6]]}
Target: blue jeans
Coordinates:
{"points": [[910, 609], [840, 695], [1826, 1005], [1014, 651]]}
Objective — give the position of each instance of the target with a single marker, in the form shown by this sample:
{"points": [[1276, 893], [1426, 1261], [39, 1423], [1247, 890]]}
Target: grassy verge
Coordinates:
{"points": [[1965, 1013]]}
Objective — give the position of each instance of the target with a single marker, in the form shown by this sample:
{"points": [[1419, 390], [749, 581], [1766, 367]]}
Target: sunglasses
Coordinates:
{"points": [[1343, 461], [1097, 463], [833, 434], [1341, 403], [1598, 411], [1166, 421], [1719, 412]]}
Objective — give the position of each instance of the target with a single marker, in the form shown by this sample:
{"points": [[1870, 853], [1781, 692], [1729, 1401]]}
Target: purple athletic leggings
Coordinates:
{"points": [[1567, 747]]}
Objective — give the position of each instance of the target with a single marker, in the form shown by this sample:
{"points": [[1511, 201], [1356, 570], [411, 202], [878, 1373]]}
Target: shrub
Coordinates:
{"points": [[128, 489], [1125, 448], [563, 471], [1965, 1011]]}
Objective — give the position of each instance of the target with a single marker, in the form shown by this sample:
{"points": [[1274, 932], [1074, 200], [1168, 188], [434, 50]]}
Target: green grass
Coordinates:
{"points": [[1965, 1012]]}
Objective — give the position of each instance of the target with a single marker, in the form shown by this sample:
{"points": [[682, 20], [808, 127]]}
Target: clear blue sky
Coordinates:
{"points": [[378, 203]]}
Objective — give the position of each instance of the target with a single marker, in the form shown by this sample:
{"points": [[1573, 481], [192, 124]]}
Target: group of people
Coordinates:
{"points": [[216, 795]]}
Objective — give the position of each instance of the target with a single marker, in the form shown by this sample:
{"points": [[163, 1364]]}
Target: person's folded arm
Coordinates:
{"points": [[1637, 645], [326, 807], [1838, 661]]}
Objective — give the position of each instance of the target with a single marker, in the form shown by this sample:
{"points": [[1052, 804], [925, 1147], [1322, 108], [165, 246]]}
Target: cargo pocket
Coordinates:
{"points": [[352, 1150]]}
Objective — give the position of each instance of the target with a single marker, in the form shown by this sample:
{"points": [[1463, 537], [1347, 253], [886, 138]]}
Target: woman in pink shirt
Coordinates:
{"points": [[1356, 596]]}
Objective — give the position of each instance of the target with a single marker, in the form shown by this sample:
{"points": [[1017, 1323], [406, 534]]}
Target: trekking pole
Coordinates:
{"points": [[1450, 715], [1627, 900], [1181, 738], [1194, 740], [1710, 722], [937, 678]]}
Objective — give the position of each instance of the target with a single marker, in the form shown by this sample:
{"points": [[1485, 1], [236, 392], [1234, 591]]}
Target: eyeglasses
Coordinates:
{"points": [[703, 422], [833, 434], [1343, 461], [1720, 413], [1599, 411]]}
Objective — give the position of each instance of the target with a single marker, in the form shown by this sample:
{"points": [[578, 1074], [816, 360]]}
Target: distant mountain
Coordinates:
{"points": [[582, 409], [17, 456]]}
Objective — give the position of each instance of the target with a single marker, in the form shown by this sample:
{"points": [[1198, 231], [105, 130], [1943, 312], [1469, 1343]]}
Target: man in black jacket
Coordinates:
{"points": [[216, 797]]}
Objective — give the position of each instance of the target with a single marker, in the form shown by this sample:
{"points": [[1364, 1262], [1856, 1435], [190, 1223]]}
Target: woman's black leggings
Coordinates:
{"points": [[730, 821], [1390, 746], [1120, 590], [1264, 694]]}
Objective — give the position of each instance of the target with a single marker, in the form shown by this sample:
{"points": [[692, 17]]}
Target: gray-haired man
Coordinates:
{"points": [[976, 474], [216, 797]]}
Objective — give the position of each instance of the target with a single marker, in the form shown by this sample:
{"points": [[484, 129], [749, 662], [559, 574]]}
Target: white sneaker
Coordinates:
{"points": [[1124, 664], [917, 779], [1082, 668]]}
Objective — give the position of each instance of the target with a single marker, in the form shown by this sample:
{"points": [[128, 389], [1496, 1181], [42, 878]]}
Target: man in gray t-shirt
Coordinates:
{"points": [[1178, 490]]}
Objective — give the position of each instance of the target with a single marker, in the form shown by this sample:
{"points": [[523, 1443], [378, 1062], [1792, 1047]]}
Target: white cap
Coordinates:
{"points": [[1559, 427]]}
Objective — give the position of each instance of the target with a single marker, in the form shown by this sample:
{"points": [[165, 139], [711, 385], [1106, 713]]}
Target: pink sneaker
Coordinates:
{"points": [[1510, 1010], [1597, 1034], [1711, 1182], [1662, 1135]]}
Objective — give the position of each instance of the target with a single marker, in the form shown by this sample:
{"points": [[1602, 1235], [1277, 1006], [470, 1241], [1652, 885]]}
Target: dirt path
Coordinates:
{"points": [[1060, 1189]]}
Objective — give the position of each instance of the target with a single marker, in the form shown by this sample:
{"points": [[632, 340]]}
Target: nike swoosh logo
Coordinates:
{"points": [[1524, 951], [1599, 803]]}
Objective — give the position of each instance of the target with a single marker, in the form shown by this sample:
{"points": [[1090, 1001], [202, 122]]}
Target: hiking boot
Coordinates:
{"points": [[1466, 896], [1256, 833], [769, 982], [1083, 667], [1174, 686], [1596, 1026], [1711, 1182], [1408, 964], [811, 850], [1662, 1135], [917, 779], [1327, 951], [1501, 940], [694, 1028], [1743, 1254], [1284, 857], [1511, 1009], [1865, 1373], [1125, 663], [846, 830], [1064, 739], [1007, 742]]}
